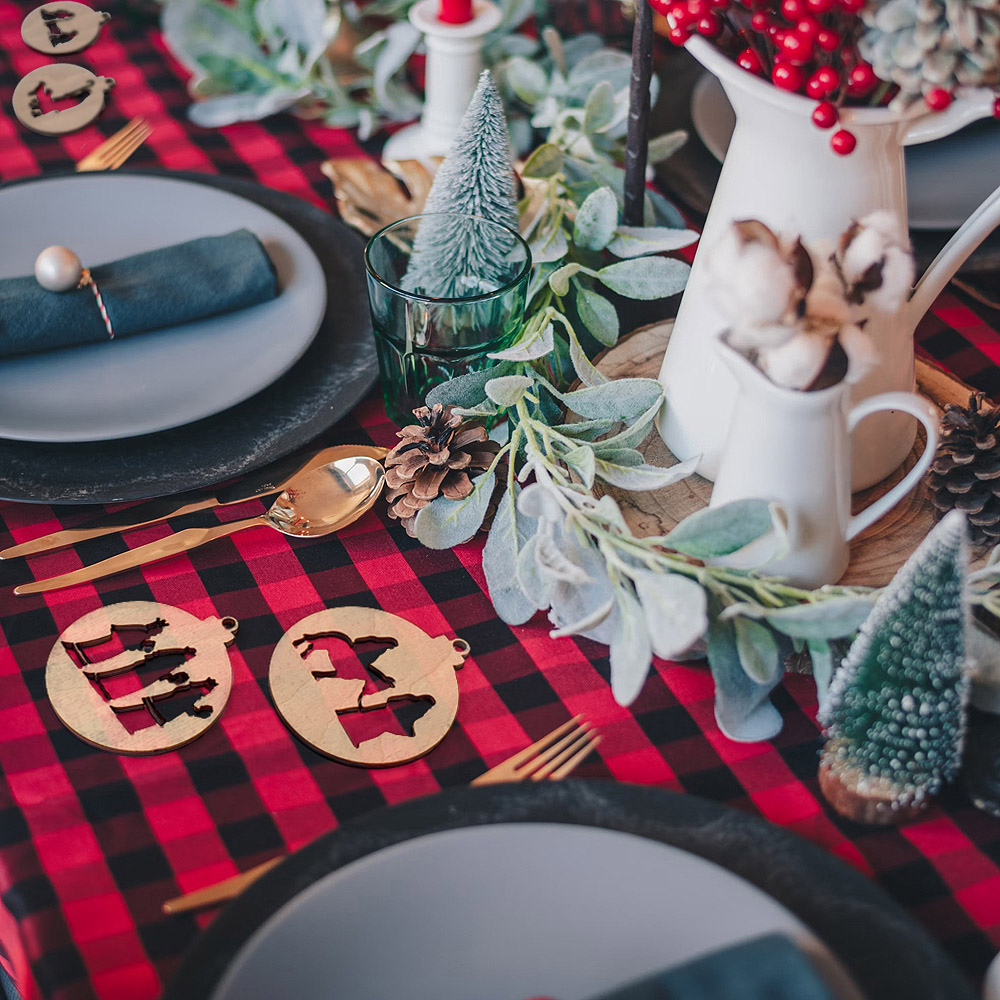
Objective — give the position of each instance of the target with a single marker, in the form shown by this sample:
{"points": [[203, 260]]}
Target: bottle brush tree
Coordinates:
{"points": [[895, 719], [452, 258]]}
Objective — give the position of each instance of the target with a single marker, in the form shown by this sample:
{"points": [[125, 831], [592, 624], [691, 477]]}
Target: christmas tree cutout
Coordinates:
{"points": [[895, 719], [450, 258]]}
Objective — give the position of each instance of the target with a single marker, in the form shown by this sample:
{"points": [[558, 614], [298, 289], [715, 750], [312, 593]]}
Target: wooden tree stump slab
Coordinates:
{"points": [[876, 554]]}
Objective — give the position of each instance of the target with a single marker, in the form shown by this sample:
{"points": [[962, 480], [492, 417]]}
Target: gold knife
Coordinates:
{"points": [[271, 479]]}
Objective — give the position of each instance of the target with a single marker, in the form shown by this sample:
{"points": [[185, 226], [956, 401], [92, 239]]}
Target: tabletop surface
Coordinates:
{"points": [[92, 843]]}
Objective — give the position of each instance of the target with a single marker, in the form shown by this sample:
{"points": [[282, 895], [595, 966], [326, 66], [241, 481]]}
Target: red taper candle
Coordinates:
{"points": [[455, 11]]}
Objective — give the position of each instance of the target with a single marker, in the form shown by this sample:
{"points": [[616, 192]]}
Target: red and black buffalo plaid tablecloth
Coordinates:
{"points": [[92, 843]]}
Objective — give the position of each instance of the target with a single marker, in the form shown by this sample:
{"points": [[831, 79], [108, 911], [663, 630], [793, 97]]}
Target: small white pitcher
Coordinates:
{"points": [[794, 447]]}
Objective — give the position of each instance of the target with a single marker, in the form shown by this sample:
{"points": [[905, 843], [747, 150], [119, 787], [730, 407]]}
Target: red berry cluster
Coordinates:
{"points": [[803, 46]]}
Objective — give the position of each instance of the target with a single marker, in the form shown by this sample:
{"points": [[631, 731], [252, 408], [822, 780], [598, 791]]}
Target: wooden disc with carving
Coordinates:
{"points": [[145, 693], [321, 697], [876, 554]]}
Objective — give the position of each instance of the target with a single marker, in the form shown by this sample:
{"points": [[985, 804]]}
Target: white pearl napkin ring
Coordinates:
{"points": [[58, 269]]}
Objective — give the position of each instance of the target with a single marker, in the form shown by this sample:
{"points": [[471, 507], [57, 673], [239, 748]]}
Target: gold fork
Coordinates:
{"points": [[553, 757], [113, 152]]}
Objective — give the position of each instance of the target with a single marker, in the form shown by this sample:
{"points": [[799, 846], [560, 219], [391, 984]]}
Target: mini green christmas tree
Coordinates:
{"points": [[895, 719], [451, 259]]}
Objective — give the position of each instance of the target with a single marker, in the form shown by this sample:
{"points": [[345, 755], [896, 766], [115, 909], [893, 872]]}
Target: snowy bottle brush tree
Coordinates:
{"points": [[895, 714], [450, 258]]}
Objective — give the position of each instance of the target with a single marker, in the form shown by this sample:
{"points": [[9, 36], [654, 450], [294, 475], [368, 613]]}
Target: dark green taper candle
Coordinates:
{"points": [[637, 145]]}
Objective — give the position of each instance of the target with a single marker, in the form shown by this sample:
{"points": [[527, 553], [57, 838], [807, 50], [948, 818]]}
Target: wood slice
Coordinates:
{"points": [[876, 554]]}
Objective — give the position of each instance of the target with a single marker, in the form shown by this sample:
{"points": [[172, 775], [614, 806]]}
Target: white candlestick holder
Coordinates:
{"points": [[454, 62]]}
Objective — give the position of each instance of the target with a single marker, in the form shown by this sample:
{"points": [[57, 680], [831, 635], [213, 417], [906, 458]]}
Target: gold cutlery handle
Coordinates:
{"points": [[212, 895], [181, 541], [70, 536]]}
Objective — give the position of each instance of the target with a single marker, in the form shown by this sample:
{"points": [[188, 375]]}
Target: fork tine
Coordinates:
{"points": [[120, 151], [549, 761], [116, 149], [529, 752], [556, 750], [570, 765]]}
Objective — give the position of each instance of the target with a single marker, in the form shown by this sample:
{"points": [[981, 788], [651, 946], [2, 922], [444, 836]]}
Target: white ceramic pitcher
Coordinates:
{"points": [[780, 169], [795, 447]]}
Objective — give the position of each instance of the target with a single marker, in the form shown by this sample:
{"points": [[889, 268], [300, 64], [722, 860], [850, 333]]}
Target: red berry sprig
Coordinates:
{"points": [[801, 46]]}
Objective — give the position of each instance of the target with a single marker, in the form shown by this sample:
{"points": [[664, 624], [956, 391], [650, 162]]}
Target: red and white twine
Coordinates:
{"points": [[87, 279]]}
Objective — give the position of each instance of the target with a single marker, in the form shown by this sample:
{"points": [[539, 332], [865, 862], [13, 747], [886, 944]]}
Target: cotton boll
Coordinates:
{"points": [[797, 362], [860, 350], [897, 280], [751, 283], [876, 262], [747, 338]]}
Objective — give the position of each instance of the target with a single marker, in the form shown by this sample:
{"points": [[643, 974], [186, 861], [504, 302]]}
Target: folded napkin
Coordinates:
{"points": [[148, 291], [769, 967]]}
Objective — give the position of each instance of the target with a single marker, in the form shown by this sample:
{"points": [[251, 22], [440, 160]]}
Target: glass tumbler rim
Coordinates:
{"points": [[438, 299]]}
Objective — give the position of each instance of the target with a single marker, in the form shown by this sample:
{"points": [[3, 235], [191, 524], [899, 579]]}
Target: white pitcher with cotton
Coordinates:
{"points": [[780, 169]]}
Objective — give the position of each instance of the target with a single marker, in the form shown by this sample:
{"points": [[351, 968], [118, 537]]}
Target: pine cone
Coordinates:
{"points": [[924, 44], [437, 456], [966, 470]]}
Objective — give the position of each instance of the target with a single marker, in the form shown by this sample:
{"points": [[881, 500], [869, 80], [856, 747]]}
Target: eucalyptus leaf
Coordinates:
{"points": [[559, 280], [596, 220], [719, 531], [757, 650], [822, 670], [580, 603], [586, 624], [743, 709], [645, 278], [599, 108], [658, 211], [537, 346], [527, 79], [631, 650], [835, 618], [217, 112], [445, 523], [636, 241], [675, 608], [644, 477], [508, 390], [623, 399], [549, 248], [585, 370], [401, 41], [662, 147], [545, 161], [635, 432], [469, 389], [581, 460], [586, 430], [604, 66], [534, 588], [509, 533], [627, 457], [598, 315]]}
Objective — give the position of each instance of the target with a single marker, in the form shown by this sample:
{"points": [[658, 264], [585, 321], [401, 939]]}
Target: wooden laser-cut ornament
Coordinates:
{"points": [[81, 686], [312, 698], [60, 81], [63, 27]]}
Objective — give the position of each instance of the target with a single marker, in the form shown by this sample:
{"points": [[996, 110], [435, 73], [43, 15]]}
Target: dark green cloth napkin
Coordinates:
{"points": [[166, 287], [769, 967]]}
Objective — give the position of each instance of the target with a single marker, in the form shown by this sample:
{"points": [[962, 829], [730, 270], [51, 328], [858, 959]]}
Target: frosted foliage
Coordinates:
{"points": [[450, 258], [897, 705]]}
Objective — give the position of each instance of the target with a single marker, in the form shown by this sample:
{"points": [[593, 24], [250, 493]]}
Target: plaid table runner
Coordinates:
{"points": [[92, 843]]}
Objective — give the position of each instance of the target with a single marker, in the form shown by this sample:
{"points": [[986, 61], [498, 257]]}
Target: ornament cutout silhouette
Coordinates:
{"points": [[60, 81], [80, 686], [62, 28], [314, 696]]}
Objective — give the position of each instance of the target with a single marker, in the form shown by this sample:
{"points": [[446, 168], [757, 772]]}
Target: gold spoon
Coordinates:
{"points": [[318, 502]]}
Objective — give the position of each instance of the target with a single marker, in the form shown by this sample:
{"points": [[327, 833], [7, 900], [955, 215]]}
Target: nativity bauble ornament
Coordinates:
{"points": [[322, 697], [141, 677], [62, 28], [60, 81]]}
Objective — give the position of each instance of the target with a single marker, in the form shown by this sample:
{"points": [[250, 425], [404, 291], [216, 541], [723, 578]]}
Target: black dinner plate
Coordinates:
{"points": [[323, 386], [884, 950]]}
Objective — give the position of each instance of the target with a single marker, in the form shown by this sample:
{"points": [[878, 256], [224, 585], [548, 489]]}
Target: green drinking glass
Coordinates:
{"points": [[433, 319]]}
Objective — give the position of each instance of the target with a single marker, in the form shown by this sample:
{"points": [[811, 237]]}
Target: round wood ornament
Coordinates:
{"points": [[62, 28], [60, 81], [318, 696], [156, 693]]}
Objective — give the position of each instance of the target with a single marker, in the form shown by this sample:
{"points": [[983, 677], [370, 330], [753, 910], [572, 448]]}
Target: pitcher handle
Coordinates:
{"points": [[970, 105], [908, 402]]}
